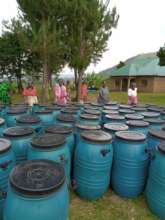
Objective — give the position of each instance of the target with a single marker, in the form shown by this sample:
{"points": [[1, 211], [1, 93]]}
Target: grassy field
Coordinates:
{"points": [[111, 206]]}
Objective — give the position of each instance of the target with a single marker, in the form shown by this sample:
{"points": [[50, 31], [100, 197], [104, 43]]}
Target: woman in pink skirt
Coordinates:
{"points": [[132, 95]]}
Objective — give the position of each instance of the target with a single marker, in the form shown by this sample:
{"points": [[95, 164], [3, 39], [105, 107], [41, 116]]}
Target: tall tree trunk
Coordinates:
{"points": [[45, 92], [19, 83], [80, 75], [76, 83]]}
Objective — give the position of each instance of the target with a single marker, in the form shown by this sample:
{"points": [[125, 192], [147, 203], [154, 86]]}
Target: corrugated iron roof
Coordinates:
{"points": [[141, 65]]}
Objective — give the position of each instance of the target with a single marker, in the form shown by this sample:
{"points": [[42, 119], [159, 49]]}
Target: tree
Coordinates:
{"points": [[15, 60], [45, 19], [93, 79], [121, 64], [89, 26], [161, 55]]}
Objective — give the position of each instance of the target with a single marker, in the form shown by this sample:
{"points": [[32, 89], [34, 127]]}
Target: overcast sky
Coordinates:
{"points": [[141, 29]]}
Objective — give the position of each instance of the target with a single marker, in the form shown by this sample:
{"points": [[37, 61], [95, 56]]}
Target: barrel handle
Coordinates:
{"points": [[104, 152], [3, 194], [63, 159], [150, 153], [5, 165]]}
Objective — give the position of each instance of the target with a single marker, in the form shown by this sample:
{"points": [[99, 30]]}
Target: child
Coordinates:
{"points": [[30, 95], [132, 95]]}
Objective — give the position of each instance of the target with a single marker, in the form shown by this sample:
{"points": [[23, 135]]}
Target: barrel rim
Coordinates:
{"points": [[26, 131], [128, 136], [61, 129], [97, 134]]}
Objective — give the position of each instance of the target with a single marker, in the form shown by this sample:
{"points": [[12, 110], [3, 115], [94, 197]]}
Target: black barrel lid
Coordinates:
{"points": [[37, 177], [96, 136], [18, 131], [48, 141], [151, 114], [125, 106], [113, 108], [5, 145], [115, 117], [91, 107], [88, 126], [44, 111], [15, 111], [134, 117], [69, 111], [58, 129], [66, 118], [161, 147], [137, 123], [154, 109], [112, 103], [157, 133], [126, 111], [89, 116], [2, 121], [28, 119], [139, 109], [115, 127], [54, 108], [110, 112], [73, 107], [96, 104], [92, 112], [130, 135], [154, 120]]}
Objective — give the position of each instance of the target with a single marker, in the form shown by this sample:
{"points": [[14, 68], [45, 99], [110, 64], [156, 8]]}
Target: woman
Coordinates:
{"points": [[132, 95], [30, 94], [84, 92], [57, 93], [103, 94], [62, 94]]}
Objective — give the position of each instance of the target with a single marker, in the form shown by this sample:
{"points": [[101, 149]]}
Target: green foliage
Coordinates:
{"points": [[120, 65], [89, 25], [93, 79], [161, 55]]}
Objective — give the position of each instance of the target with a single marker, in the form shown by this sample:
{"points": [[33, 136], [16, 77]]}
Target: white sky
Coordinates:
{"points": [[141, 29]]}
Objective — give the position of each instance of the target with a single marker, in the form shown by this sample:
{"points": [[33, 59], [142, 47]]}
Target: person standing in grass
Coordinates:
{"points": [[84, 92], [103, 96], [132, 94], [57, 93], [4, 92], [30, 94]]}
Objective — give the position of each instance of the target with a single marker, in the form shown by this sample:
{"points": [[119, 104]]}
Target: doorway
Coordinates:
{"points": [[124, 84]]}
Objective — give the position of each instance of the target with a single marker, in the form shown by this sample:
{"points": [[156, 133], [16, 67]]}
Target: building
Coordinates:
{"points": [[144, 69]]}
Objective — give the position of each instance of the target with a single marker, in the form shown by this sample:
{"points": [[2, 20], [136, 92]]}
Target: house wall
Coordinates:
{"points": [[159, 84], [144, 83]]}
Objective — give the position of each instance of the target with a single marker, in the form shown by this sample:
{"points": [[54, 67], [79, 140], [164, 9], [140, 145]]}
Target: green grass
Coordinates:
{"points": [[111, 206]]}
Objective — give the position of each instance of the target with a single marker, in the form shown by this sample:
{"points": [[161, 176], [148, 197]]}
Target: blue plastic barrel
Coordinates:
{"points": [[92, 164], [29, 121], [12, 114], [155, 191], [55, 109], [67, 132], [80, 127], [108, 112], [92, 112], [7, 162], [138, 125], [155, 123], [20, 138], [46, 116], [112, 128], [89, 119], [114, 118], [51, 147], [2, 126], [66, 120], [155, 136], [38, 190], [130, 164]]}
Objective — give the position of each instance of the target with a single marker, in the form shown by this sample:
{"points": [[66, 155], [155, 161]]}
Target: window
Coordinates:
{"points": [[117, 82], [144, 83]]}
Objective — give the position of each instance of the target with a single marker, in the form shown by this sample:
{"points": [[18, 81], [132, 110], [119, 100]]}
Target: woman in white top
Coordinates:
{"points": [[132, 95]]}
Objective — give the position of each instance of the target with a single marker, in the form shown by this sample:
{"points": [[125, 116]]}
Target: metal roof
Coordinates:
{"points": [[141, 65]]}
